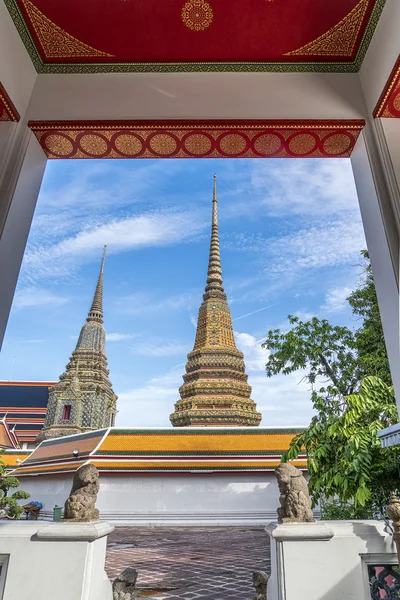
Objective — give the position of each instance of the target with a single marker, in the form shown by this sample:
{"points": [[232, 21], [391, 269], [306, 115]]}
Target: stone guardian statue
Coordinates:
{"points": [[294, 496], [260, 582], [124, 585], [81, 504]]}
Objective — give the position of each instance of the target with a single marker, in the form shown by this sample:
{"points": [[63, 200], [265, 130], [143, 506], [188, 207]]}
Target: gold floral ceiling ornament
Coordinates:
{"points": [[55, 42], [341, 39], [197, 15]]}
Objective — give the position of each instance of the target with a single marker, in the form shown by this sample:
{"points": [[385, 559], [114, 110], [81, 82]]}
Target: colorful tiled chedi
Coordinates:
{"points": [[83, 399], [215, 389], [186, 450]]}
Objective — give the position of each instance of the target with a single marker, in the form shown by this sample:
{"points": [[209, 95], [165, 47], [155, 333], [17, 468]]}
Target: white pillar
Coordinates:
{"points": [[389, 132], [22, 162], [327, 559], [378, 197], [54, 560], [18, 197]]}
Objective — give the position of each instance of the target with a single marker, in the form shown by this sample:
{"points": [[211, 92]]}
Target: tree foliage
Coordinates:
{"points": [[9, 502], [371, 349], [353, 399]]}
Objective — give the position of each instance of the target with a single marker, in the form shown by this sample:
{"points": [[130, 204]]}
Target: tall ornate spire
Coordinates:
{"points": [[92, 333], [214, 285], [83, 398], [215, 389], [96, 310]]}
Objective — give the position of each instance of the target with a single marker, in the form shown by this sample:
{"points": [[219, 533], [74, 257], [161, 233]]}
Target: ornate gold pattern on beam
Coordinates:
{"points": [[215, 389], [200, 139], [338, 41]]}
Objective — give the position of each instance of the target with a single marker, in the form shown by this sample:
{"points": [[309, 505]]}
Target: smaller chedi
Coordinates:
{"points": [[215, 391], [83, 398]]}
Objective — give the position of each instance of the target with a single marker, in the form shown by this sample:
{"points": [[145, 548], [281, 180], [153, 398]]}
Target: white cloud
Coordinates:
{"points": [[142, 303], [282, 399], [30, 297], [92, 184], [118, 337], [159, 348], [255, 357], [332, 244], [160, 228], [286, 262], [150, 405], [335, 299], [254, 312], [306, 187]]}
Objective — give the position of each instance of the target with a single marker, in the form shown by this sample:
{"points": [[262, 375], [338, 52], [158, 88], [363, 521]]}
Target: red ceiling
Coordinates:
{"points": [[159, 31]]}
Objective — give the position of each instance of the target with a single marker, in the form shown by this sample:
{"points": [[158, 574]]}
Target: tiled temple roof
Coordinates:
{"points": [[25, 404], [165, 450]]}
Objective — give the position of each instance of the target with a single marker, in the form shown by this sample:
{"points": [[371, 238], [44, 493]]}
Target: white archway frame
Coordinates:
{"points": [[210, 96]]}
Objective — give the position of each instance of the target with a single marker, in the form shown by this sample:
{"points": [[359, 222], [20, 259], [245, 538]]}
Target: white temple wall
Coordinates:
{"points": [[197, 96], [170, 499]]}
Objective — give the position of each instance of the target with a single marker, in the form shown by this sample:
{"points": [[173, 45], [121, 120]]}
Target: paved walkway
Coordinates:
{"points": [[190, 563]]}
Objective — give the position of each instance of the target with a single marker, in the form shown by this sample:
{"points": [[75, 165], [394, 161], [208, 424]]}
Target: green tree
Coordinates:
{"points": [[353, 399], [9, 503], [371, 349]]}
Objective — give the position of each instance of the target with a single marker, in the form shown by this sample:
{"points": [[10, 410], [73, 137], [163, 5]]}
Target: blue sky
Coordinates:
{"points": [[290, 234]]}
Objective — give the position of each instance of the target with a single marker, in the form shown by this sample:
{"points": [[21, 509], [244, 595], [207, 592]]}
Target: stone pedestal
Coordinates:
{"points": [[55, 560], [327, 559]]}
